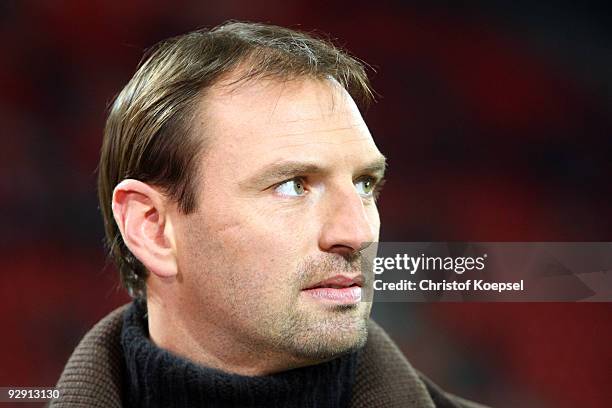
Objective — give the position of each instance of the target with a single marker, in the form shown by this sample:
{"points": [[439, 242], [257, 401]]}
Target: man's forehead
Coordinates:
{"points": [[258, 123], [292, 105]]}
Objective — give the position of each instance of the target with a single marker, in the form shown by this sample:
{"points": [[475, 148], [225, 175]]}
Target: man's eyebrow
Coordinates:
{"points": [[377, 167], [282, 171], [285, 170]]}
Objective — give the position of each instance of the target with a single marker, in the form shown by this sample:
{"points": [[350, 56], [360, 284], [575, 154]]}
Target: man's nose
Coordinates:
{"points": [[346, 227]]}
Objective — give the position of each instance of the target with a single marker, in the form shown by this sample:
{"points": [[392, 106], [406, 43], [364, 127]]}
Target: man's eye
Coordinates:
{"points": [[365, 186], [292, 188]]}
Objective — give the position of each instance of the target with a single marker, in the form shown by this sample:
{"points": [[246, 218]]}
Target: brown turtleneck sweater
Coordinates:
{"points": [[96, 374]]}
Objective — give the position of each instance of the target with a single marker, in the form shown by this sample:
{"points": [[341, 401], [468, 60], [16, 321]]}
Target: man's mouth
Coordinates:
{"points": [[339, 289]]}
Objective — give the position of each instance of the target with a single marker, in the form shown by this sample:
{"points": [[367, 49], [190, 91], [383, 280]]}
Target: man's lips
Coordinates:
{"points": [[338, 282], [339, 289]]}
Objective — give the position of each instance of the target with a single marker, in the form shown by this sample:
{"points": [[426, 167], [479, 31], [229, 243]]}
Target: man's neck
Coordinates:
{"points": [[156, 377]]}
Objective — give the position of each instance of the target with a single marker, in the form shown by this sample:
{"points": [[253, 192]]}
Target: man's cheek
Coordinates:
{"points": [[374, 220]]}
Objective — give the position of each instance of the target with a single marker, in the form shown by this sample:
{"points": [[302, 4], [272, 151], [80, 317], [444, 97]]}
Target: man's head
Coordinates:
{"points": [[238, 180]]}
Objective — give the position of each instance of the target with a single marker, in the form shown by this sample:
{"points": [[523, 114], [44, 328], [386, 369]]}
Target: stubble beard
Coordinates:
{"points": [[313, 332], [323, 335]]}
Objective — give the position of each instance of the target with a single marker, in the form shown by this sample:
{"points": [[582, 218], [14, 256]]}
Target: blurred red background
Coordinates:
{"points": [[496, 121]]}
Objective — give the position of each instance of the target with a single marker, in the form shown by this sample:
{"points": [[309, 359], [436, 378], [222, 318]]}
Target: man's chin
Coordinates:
{"points": [[327, 348], [332, 333]]}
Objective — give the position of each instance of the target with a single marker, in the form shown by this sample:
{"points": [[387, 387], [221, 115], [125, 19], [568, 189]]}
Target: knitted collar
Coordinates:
{"points": [[157, 378]]}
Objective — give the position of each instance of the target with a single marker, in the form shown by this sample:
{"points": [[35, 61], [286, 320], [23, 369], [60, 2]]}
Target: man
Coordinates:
{"points": [[238, 186]]}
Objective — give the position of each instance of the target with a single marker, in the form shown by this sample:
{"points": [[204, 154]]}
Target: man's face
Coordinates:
{"points": [[285, 202]]}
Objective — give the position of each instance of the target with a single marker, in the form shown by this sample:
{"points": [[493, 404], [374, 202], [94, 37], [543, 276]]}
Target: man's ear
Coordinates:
{"points": [[141, 214]]}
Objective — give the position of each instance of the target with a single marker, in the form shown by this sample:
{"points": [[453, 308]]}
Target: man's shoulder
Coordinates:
{"points": [[385, 378], [93, 376], [94, 373]]}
